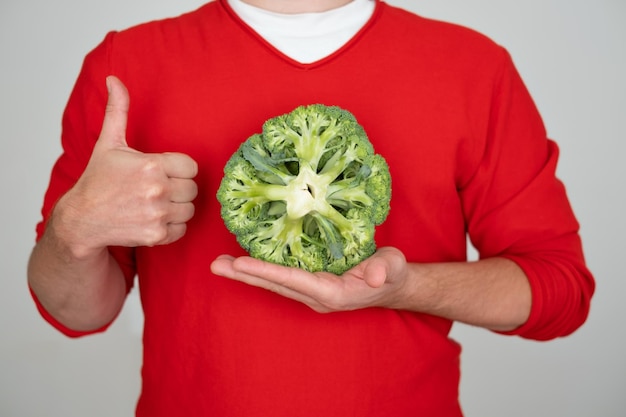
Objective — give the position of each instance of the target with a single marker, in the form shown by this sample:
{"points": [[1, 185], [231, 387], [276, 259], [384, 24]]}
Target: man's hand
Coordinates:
{"points": [[493, 293], [379, 281], [125, 197]]}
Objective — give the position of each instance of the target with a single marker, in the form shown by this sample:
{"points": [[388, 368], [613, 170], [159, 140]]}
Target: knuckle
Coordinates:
{"points": [[154, 191], [156, 215], [155, 230], [156, 236], [151, 164]]}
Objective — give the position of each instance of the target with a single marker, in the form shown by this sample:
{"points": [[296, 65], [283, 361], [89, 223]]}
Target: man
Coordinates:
{"points": [[134, 195]]}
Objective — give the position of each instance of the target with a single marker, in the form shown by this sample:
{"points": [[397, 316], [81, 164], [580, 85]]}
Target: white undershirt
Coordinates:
{"points": [[307, 37]]}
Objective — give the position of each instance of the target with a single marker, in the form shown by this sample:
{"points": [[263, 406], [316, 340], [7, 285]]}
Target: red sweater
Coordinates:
{"points": [[468, 154]]}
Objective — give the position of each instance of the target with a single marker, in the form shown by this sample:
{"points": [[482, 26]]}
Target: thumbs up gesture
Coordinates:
{"points": [[126, 197]]}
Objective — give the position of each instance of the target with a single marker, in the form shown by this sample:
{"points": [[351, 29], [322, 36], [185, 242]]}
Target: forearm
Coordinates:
{"points": [[83, 289], [492, 293]]}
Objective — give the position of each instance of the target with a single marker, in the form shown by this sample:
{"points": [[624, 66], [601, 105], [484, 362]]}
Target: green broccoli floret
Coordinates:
{"points": [[307, 191]]}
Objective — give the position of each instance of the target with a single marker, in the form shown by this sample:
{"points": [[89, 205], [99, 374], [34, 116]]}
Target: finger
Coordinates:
{"points": [[270, 271], [180, 213], [175, 231], [182, 190], [298, 280], [170, 233], [225, 266], [113, 133], [251, 270], [178, 165]]}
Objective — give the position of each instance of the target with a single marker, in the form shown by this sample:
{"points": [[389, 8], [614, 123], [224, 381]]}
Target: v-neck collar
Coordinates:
{"points": [[281, 55]]}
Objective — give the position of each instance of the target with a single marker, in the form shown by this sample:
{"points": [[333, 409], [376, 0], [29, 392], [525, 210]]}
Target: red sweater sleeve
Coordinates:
{"points": [[82, 121], [517, 208]]}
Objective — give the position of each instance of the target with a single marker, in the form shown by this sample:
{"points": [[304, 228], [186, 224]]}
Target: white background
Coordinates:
{"points": [[572, 55]]}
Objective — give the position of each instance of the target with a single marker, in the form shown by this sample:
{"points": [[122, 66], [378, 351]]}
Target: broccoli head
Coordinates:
{"points": [[307, 191]]}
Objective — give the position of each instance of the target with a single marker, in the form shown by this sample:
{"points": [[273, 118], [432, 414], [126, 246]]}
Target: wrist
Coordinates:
{"points": [[65, 230], [422, 290]]}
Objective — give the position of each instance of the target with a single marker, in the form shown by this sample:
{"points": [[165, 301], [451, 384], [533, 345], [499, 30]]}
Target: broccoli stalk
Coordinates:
{"points": [[308, 191]]}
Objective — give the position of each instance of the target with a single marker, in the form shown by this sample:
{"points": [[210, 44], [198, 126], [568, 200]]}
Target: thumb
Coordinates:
{"points": [[383, 266], [113, 131], [376, 271]]}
